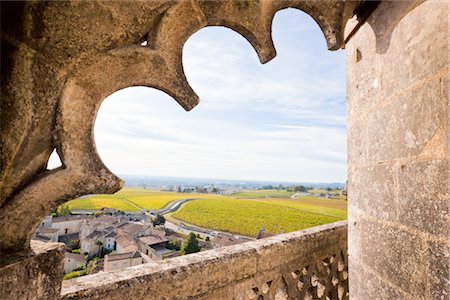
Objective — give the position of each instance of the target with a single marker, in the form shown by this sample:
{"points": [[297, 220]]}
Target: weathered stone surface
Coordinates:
{"points": [[424, 198], [35, 275], [439, 273], [367, 286], [398, 152], [235, 272], [427, 37], [392, 130], [378, 200], [62, 60], [410, 193], [396, 255]]}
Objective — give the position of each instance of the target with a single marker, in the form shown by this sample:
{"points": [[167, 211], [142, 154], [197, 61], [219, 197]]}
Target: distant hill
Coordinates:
{"points": [[158, 182]]}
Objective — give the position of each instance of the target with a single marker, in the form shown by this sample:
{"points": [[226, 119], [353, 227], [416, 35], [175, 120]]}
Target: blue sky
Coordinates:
{"points": [[282, 121]]}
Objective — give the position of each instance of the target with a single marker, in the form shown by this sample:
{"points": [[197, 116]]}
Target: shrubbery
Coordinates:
{"points": [[190, 245], [74, 274], [174, 245]]}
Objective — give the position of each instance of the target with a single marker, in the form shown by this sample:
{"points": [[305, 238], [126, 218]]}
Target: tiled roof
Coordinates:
{"points": [[126, 242], [42, 238], [132, 228], [97, 234], [111, 234], [70, 218], [75, 256], [128, 255], [47, 230], [153, 239]]}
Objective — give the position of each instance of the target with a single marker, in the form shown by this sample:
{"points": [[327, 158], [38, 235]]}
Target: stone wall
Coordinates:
{"points": [[36, 275], [307, 264], [398, 150]]}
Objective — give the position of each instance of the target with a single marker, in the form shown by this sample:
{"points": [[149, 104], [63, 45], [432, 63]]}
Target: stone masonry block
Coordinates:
{"points": [[372, 190], [400, 128], [396, 255], [424, 199], [439, 269], [417, 45], [34, 276], [364, 283]]}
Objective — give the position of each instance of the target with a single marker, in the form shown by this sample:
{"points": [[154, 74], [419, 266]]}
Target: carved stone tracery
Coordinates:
{"points": [[68, 56]]}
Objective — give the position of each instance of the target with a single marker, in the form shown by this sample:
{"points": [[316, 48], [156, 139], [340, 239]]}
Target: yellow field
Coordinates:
{"points": [[129, 199], [246, 217], [262, 194]]}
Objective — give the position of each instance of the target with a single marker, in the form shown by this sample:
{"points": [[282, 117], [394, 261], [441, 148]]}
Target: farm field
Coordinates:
{"points": [[246, 217], [241, 213], [131, 200]]}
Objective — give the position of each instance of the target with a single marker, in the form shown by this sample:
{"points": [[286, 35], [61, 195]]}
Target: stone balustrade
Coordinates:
{"points": [[307, 264]]}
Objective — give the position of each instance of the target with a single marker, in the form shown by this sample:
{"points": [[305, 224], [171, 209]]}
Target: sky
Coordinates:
{"points": [[282, 121]]}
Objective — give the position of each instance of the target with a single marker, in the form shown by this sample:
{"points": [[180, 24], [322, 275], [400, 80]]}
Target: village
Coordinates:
{"points": [[110, 240]]}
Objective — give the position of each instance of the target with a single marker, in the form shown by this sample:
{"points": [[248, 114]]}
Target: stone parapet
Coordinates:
{"points": [[289, 266], [35, 275]]}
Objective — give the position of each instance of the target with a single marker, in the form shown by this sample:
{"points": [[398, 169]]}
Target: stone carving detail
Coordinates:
{"points": [[73, 54], [325, 279], [261, 292]]}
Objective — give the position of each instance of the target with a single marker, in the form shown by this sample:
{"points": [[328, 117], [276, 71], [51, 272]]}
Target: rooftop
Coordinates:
{"points": [[132, 228], [128, 255], [70, 218], [48, 230], [97, 234], [153, 239], [75, 256]]}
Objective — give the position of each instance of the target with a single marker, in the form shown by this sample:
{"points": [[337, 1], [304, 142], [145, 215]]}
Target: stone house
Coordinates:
{"points": [[68, 224], [110, 241], [93, 243], [114, 262], [154, 246], [73, 261], [50, 233], [126, 243]]}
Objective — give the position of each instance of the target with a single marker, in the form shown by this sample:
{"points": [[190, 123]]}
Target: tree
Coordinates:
{"points": [[190, 245], [159, 220], [63, 210], [174, 245], [299, 188]]}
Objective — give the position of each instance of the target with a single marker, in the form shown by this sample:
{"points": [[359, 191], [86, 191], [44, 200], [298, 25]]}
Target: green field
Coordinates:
{"points": [[246, 217], [242, 213]]}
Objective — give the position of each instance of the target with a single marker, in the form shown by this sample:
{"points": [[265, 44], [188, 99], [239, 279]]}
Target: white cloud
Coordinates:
{"points": [[281, 121]]}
